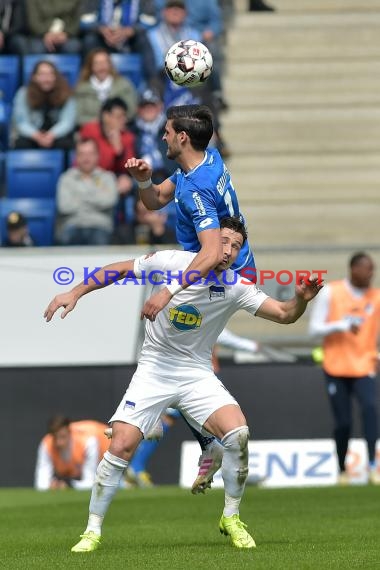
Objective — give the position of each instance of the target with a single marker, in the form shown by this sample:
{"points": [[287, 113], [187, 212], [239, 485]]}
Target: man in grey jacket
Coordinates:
{"points": [[86, 198]]}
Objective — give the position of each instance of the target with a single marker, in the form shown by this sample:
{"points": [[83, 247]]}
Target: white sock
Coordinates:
{"points": [[94, 523], [231, 505], [234, 468], [108, 475]]}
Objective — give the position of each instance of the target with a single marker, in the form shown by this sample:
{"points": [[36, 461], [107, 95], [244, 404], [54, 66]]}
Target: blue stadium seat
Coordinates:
{"points": [[71, 157], [9, 76], [40, 214], [33, 173], [2, 161], [67, 63], [129, 66], [5, 124]]}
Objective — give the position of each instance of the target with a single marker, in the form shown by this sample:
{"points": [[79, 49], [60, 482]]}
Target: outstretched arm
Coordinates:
{"points": [[286, 312], [102, 278], [153, 196]]}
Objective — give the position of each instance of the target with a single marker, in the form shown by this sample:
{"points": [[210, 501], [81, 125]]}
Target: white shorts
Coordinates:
{"points": [[149, 394]]}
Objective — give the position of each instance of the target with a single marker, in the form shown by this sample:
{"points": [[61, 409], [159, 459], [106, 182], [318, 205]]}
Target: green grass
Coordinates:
{"points": [[300, 529]]}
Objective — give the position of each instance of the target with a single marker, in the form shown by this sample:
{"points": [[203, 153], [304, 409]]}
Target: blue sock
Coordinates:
{"points": [[144, 451]]}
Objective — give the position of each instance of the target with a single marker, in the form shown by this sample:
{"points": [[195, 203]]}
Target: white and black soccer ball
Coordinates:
{"points": [[188, 63]]}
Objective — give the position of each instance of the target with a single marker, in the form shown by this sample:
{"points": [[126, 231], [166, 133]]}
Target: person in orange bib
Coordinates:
{"points": [[346, 315], [69, 454]]}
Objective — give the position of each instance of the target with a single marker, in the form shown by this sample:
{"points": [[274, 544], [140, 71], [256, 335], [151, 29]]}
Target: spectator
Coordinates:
{"points": [[44, 111], [171, 29], [115, 142], [17, 231], [99, 81], [86, 198], [347, 316], [206, 17], [121, 27], [12, 24], [148, 128], [52, 27], [69, 454]]}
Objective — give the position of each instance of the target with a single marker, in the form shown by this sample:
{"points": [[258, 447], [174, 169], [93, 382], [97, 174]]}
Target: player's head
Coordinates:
{"points": [[233, 235], [59, 428], [188, 122], [362, 269]]}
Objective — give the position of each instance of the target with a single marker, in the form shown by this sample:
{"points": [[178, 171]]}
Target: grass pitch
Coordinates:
{"points": [[300, 529]]}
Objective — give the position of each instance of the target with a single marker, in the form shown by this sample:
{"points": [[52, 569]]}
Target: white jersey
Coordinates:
{"points": [[184, 332]]}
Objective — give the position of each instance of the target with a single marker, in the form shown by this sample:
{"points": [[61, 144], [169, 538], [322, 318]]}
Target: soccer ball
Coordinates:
{"points": [[188, 63]]}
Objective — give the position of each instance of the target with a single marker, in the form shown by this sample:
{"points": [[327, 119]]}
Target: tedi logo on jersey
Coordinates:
{"points": [[185, 317]]}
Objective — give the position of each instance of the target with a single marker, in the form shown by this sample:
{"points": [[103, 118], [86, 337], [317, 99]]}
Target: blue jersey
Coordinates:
{"points": [[203, 197]]}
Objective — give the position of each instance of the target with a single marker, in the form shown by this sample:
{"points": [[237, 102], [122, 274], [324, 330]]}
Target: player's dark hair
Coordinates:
{"points": [[57, 422], [234, 223], [195, 121], [357, 257]]}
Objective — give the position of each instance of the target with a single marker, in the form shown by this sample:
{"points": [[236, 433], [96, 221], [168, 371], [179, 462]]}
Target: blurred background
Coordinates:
{"points": [[298, 124]]}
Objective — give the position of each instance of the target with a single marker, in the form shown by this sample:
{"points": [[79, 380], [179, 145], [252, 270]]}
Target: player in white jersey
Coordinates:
{"points": [[203, 193], [174, 370]]}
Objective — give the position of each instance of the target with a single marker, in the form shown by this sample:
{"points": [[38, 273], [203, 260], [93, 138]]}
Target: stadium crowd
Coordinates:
{"points": [[93, 70]]}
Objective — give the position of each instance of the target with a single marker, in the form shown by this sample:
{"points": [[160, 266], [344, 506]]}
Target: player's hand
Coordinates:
{"points": [[307, 289], [155, 304], [139, 169], [67, 300]]}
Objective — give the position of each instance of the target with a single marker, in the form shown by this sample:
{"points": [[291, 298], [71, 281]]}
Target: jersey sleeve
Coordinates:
{"points": [[163, 266], [173, 177], [201, 206], [249, 297], [149, 263]]}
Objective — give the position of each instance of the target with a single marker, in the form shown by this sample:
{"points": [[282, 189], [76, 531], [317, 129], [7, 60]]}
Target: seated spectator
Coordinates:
{"points": [[12, 23], [121, 27], [44, 113], [17, 231], [52, 26], [206, 17], [115, 142], [171, 29], [99, 81], [86, 200], [151, 226], [148, 128], [69, 454]]}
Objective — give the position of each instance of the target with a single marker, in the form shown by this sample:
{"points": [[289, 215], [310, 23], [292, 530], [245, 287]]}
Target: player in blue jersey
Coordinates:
{"points": [[203, 194]]}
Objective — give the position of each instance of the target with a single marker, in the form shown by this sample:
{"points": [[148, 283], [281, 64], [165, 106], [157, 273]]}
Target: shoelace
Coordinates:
{"points": [[239, 529], [90, 537]]}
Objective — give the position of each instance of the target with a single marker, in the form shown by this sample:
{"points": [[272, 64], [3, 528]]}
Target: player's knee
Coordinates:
{"points": [[237, 439]]}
